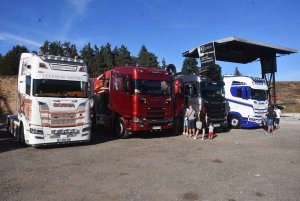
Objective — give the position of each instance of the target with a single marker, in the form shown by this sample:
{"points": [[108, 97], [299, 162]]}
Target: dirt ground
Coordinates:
{"points": [[236, 165]]}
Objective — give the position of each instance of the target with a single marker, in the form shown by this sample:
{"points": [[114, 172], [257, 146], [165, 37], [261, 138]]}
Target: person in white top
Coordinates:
{"points": [[277, 118], [185, 121]]}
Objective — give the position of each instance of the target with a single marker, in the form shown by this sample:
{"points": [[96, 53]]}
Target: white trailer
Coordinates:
{"points": [[246, 100], [52, 101]]}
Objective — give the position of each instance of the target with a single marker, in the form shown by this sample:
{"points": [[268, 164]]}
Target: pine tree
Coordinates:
{"points": [[237, 72], [190, 64]]}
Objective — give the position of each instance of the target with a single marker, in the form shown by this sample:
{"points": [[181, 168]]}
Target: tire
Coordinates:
{"points": [[8, 127], [224, 130], [235, 122], [121, 131], [21, 135]]}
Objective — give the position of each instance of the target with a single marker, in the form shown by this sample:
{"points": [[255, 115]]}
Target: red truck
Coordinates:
{"points": [[134, 99]]}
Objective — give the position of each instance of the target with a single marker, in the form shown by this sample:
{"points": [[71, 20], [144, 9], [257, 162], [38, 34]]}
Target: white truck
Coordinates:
{"points": [[52, 101], [246, 100]]}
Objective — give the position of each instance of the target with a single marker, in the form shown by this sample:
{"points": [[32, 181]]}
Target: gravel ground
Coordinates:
{"points": [[236, 165]]}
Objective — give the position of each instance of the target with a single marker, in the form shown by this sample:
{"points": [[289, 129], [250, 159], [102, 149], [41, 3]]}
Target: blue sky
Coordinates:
{"points": [[166, 27]]}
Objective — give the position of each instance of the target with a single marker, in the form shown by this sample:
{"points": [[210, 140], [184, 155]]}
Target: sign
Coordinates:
{"points": [[268, 64], [64, 68], [207, 54]]}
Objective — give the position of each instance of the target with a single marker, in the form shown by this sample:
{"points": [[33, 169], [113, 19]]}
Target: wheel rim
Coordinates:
{"points": [[234, 122], [120, 129]]}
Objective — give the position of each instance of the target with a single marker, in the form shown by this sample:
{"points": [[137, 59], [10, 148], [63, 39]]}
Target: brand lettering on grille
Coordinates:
{"points": [[63, 105], [156, 100], [215, 102]]}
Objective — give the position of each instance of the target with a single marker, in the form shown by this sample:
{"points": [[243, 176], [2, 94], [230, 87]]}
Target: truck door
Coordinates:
{"points": [[120, 95]]}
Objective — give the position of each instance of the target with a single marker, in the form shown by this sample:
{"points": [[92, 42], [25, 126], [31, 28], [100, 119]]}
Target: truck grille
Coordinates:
{"points": [[59, 119], [216, 111], [156, 111]]}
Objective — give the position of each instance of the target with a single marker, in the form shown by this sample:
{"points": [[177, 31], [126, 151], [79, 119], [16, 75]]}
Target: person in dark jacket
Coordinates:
{"points": [[270, 117]]}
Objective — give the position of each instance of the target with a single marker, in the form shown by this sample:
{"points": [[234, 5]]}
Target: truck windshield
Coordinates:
{"points": [[258, 94], [208, 90], [151, 87], [59, 88]]}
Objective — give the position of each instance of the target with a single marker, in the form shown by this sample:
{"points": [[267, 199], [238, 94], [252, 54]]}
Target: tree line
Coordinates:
{"points": [[98, 58]]}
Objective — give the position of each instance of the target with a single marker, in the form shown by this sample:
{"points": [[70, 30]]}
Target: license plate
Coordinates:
{"points": [[63, 140], [156, 127], [216, 125]]}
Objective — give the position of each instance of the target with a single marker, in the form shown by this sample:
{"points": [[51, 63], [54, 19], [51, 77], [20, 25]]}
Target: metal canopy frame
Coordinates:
{"points": [[240, 50]]}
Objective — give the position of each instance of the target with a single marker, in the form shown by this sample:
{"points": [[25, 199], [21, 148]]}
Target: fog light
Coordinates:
{"points": [[86, 129], [137, 120]]}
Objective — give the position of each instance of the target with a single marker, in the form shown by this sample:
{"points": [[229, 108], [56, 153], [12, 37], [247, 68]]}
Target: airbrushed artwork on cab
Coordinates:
{"points": [[24, 106], [25, 69]]}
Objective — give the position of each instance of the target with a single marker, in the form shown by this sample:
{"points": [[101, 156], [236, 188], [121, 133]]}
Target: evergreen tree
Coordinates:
{"points": [[88, 55], [9, 64], [190, 64], [237, 72], [122, 56], [147, 59], [45, 48]]}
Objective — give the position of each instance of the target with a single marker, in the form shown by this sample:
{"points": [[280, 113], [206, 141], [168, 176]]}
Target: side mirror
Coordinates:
{"points": [[191, 90], [178, 89]]}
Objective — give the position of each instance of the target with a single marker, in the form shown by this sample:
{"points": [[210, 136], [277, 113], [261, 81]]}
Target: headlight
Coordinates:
{"points": [[36, 131], [168, 101], [43, 106], [137, 120], [143, 100], [82, 105]]}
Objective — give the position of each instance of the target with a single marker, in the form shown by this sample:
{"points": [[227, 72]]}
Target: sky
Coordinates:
{"points": [[167, 28]]}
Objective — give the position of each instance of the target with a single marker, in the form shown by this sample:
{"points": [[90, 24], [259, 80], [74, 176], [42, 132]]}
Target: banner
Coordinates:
{"points": [[207, 54]]}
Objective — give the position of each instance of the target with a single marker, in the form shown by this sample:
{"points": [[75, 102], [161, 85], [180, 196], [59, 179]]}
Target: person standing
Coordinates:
{"points": [[210, 131], [190, 114], [202, 115], [270, 117], [185, 121], [277, 118]]}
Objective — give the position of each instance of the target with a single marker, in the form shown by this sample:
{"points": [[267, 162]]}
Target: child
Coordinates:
{"points": [[211, 131]]}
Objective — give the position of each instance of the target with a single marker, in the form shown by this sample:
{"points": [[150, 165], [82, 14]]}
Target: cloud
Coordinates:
{"points": [[18, 39], [79, 5]]}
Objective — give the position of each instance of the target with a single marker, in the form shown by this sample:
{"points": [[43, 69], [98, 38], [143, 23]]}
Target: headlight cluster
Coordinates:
{"points": [[43, 106], [143, 100], [168, 101], [137, 120], [36, 131]]}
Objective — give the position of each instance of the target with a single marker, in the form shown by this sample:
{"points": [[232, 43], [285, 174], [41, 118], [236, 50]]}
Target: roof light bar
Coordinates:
{"points": [[59, 58]]}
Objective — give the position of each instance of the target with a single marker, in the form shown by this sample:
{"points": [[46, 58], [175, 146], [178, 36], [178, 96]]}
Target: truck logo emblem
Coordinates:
{"points": [[156, 100], [215, 102], [63, 105]]}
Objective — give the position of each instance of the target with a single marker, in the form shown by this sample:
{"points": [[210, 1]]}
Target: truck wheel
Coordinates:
{"points": [[21, 135], [120, 129], [8, 127], [235, 122]]}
